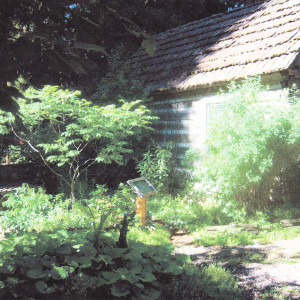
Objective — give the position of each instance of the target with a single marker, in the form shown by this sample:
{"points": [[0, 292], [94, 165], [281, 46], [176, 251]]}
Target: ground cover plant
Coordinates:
{"points": [[70, 262]]}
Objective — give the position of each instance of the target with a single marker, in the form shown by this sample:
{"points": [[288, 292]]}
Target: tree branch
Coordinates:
{"points": [[40, 154]]}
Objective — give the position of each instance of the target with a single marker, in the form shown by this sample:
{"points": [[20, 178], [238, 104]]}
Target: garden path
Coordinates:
{"points": [[270, 271]]}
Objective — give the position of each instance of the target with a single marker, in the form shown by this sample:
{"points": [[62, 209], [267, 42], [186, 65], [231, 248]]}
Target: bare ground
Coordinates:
{"points": [[269, 271]]}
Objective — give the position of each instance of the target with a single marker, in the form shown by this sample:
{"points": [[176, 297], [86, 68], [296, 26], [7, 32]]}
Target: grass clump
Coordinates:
{"points": [[209, 282]]}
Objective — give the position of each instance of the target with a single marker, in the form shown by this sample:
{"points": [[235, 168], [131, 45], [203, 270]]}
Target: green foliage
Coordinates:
{"points": [[281, 293], [218, 283], [26, 206], [103, 210], [5, 118], [207, 282], [71, 122], [29, 209], [72, 133], [156, 235], [186, 212], [66, 262], [119, 82], [250, 146], [157, 166]]}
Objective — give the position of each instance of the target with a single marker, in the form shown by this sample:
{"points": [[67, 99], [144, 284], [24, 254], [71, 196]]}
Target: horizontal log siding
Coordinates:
{"points": [[184, 121]]}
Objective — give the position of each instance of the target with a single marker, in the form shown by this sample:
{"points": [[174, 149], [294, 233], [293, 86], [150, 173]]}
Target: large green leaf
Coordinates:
{"points": [[41, 286], [183, 258], [64, 249], [132, 278], [174, 269], [85, 261], [146, 294], [59, 273], [147, 277], [110, 277], [2, 285], [37, 273], [118, 291], [133, 255], [103, 258], [13, 280], [71, 261], [7, 268]]}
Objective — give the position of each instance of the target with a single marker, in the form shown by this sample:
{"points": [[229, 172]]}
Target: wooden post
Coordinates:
{"points": [[7, 159], [141, 208]]}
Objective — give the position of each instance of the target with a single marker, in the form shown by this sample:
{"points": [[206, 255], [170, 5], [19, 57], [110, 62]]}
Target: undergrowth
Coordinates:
{"points": [[208, 282]]}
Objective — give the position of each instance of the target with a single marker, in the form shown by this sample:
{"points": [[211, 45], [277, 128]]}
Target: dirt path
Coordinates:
{"points": [[269, 271]]}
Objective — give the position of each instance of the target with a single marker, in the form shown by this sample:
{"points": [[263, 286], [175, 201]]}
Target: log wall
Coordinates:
{"points": [[185, 121]]}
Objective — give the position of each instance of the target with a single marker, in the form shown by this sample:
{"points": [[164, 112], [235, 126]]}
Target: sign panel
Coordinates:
{"points": [[142, 187]]}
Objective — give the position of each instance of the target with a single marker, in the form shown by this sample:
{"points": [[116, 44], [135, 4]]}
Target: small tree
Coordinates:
{"points": [[72, 134]]}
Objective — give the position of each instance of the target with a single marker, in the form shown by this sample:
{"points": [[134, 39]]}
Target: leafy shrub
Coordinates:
{"points": [[285, 211], [26, 206], [120, 81], [30, 209], [250, 145], [157, 166], [68, 263], [106, 208], [186, 212]]}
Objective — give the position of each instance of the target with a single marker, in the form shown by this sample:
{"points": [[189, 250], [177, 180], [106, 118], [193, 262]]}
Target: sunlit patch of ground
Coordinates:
{"points": [[270, 271]]}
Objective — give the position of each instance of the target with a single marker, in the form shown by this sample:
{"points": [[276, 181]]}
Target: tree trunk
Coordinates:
{"points": [[72, 193]]}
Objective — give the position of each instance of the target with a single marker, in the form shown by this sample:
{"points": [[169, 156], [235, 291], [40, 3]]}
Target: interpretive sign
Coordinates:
{"points": [[144, 189]]}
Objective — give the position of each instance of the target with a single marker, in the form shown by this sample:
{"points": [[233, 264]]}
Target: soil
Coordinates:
{"points": [[270, 271]]}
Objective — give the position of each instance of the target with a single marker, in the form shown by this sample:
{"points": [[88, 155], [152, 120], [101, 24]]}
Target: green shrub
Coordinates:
{"points": [[30, 209], [157, 166], [250, 146], [26, 206], [68, 263], [185, 212]]}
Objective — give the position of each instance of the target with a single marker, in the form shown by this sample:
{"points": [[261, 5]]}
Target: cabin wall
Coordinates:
{"points": [[294, 73], [185, 121]]}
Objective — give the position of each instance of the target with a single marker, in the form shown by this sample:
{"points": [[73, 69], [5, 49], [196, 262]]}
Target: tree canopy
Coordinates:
{"points": [[69, 42]]}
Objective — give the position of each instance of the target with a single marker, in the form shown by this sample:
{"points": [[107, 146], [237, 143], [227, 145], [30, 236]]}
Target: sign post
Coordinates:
{"points": [[144, 189]]}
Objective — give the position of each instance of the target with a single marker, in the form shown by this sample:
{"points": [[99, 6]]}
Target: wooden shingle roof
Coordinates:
{"points": [[257, 39]]}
